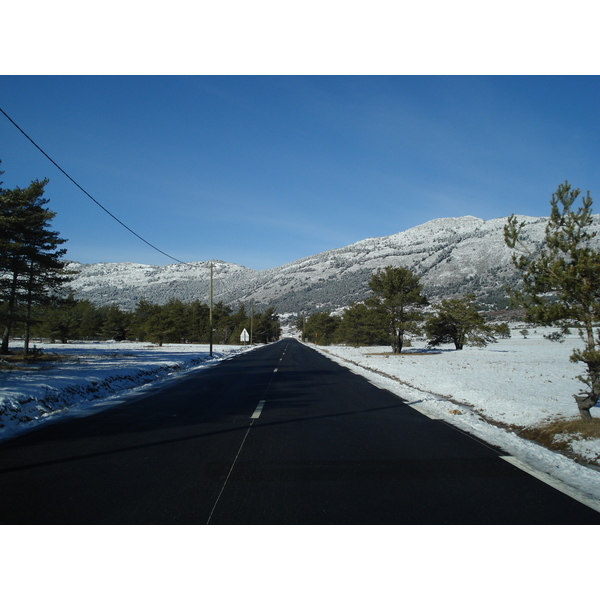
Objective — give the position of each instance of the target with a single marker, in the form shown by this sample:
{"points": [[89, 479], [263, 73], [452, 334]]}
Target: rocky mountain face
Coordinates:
{"points": [[452, 256]]}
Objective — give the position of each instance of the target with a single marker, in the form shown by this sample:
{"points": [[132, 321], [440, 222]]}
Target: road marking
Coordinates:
{"points": [[553, 482], [258, 409]]}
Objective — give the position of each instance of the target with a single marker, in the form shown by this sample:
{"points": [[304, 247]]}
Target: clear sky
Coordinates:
{"points": [[263, 170]]}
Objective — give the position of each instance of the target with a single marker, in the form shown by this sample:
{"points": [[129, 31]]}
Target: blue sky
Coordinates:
{"points": [[263, 170]]}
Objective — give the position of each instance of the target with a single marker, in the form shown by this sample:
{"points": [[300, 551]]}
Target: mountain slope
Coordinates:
{"points": [[453, 256], [125, 284]]}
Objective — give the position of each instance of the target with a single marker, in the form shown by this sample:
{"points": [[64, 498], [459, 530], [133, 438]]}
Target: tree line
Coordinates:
{"points": [[396, 311], [173, 322]]}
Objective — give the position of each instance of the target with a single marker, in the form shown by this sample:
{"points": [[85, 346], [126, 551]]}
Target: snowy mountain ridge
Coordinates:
{"points": [[452, 256]]}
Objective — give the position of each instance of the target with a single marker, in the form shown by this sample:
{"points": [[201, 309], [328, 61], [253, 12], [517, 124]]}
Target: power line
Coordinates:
{"points": [[90, 196]]}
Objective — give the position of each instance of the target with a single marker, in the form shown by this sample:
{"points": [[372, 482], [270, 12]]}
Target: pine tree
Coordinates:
{"points": [[267, 327], [60, 321], [89, 320], [361, 326], [223, 324], [321, 328], [115, 323], [397, 294], [30, 262], [458, 322], [199, 321], [561, 283]]}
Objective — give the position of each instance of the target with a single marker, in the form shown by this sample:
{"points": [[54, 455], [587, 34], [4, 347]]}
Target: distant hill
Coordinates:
{"points": [[453, 257]]}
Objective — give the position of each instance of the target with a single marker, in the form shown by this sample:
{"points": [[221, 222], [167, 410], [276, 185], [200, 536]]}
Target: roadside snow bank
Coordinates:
{"points": [[89, 372]]}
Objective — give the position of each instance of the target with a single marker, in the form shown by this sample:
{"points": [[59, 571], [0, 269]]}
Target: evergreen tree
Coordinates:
{"points": [[89, 320], [361, 326], [149, 322], [199, 320], [561, 283], [267, 327], [321, 328], [223, 324], [115, 323], [30, 258], [59, 321], [139, 319], [301, 325], [177, 319], [458, 322], [397, 295]]}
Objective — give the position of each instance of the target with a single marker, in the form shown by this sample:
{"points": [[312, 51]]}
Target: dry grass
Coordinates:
{"points": [[558, 434], [21, 362]]}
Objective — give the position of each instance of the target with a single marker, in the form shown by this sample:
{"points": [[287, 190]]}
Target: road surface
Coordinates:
{"points": [[280, 435]]}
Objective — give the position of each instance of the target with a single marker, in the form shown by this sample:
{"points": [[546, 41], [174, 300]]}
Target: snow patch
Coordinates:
{"points": [[93, 375]]}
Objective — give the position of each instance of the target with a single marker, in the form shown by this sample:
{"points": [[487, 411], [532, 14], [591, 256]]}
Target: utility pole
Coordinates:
{"points": [[210, 311]]}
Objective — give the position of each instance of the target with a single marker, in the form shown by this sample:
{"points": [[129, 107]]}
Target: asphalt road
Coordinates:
{"points": [[280, 435]]}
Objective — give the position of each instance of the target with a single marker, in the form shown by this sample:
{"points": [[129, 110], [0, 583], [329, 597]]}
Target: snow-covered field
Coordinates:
{"points": [[92, 376], [515, 382]]}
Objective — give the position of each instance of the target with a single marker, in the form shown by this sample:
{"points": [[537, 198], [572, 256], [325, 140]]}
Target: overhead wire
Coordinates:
{"points": [[90, 196]]}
